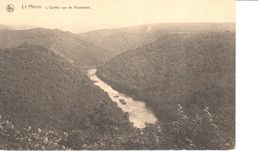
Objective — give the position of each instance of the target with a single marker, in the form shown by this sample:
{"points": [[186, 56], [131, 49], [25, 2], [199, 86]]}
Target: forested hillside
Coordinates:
{"points": [[72, 47], [42, 96], [188, 81], [130, 38]]}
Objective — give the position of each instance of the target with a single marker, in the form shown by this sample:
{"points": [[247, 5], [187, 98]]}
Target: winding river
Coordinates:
{"points": [[139, 114]]}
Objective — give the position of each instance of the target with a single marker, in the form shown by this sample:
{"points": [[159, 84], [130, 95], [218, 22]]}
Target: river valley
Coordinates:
{"points": [[139, 114]]}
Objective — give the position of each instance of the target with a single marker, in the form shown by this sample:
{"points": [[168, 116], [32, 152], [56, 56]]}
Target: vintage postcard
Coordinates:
{"points": [[117, 74]]}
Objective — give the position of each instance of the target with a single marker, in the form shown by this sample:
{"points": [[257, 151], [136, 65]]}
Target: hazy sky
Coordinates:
{"points": [[116, 13]]}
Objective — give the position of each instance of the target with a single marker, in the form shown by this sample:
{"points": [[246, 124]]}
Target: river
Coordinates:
{"points": [[139, 114]]}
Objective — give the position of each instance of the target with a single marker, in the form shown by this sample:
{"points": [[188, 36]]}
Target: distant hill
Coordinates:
{"points": [[4, 27], [186, 78], [15, 27], [130, 38], [72, 47], [40, 89]]}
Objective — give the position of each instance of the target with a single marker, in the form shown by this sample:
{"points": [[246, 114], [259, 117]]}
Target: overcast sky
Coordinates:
{"points": [[116, 13]]}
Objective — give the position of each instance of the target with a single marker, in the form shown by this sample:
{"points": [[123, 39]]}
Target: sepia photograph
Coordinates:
{"points": [[117, 74]]}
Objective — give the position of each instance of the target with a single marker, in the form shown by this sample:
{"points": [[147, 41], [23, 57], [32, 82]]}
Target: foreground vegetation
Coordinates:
{"points": [[180, 135]]}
